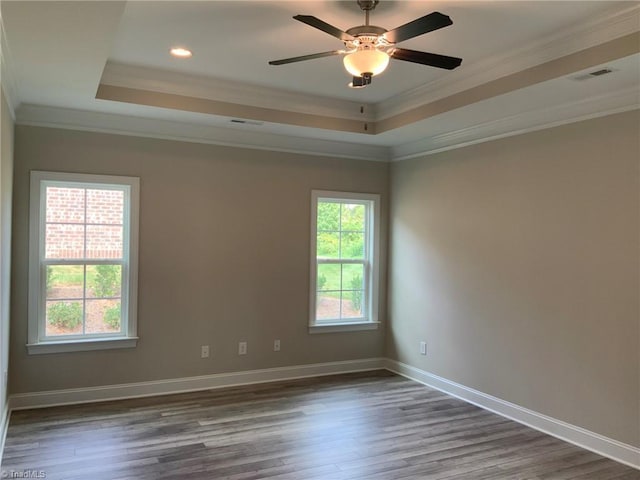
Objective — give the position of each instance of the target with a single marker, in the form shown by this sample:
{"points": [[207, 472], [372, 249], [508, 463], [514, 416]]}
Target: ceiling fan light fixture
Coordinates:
{"points": [[368, 48], [370, 61]]}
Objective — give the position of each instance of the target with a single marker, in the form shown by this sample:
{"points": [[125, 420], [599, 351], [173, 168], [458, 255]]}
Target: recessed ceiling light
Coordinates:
{"points": [[181, 52]]}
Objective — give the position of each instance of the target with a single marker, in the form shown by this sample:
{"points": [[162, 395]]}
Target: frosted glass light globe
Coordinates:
{"points": [[366, 61]]}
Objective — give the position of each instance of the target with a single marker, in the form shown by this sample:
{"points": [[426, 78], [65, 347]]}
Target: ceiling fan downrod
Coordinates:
{"points": [[367, 6]]}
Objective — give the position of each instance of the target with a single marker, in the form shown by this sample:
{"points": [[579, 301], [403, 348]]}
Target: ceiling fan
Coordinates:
{"points": [[369, 48]]}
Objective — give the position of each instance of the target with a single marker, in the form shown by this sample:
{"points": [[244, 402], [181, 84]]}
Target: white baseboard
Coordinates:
{"points": [[594, 442], [4, 426], [22, 401]]}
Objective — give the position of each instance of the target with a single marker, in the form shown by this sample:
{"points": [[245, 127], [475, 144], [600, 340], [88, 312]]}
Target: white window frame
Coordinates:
{"points": [[372, 263], [38, 343]]}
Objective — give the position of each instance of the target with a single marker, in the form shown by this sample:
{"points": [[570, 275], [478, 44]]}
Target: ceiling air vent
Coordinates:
{"points": [[594, 74], [245, 122], [602, 71]]}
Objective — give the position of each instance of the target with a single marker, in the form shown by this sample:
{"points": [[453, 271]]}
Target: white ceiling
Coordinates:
{"points": [[56, 54], [235, 40]]}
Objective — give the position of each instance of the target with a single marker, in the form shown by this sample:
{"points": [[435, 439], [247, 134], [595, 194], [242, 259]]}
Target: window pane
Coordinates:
{"points": [[65, 281], [328, 216], [352, 245], [64, 318], [328, 305], [328, 245], [352, 277], [328, 277], [104, 241], [353, 291], [353, 217], [103, 316], [64, 241], [104, 281], [352, 304], [65, 205], [344, 248], [105, 206], [80, 273]]}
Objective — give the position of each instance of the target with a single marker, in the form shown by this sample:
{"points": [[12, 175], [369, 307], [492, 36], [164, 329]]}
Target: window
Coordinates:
{"points": [[344, 266], [82, 262]]}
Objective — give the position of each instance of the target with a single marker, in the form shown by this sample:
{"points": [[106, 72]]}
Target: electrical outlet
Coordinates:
{"points": [[204, 351], [242, 348], [276, 345], [423, 348]]}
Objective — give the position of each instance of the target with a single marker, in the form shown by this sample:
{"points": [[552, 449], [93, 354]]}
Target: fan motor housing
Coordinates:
{"points": [[371, 30]]}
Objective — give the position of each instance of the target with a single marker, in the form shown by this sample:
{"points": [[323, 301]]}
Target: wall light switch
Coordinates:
{"points": [[242, 348]]}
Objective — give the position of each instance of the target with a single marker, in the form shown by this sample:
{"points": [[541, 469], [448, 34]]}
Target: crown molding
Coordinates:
{"points": [[524, 122], [169, 82], [232, 111], [615, 25], [250, 137], [7, 80], [245, 136]]}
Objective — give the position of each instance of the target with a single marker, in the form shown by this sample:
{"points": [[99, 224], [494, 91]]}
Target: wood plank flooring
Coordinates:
{"points": [[373, 425]]}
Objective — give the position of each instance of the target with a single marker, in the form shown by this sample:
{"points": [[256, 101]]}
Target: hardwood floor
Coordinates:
{"points": [[373, 425]]}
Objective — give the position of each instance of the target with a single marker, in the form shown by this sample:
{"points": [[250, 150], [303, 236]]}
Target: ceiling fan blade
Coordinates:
{"points": [[421, 25], [302, 58], [324, 26], [425, 58]]}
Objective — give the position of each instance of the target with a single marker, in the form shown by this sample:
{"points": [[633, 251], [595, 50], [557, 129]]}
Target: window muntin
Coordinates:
{"points": [[83, 261], [344, 266]]}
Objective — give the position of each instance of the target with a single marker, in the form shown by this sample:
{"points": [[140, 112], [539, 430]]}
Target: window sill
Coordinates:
{"points": [[342, 327], [81, 345]]}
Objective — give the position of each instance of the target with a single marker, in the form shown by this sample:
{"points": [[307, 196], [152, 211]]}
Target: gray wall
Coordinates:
{"points": [[518, 261], [6, 181], [224, 256]]}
